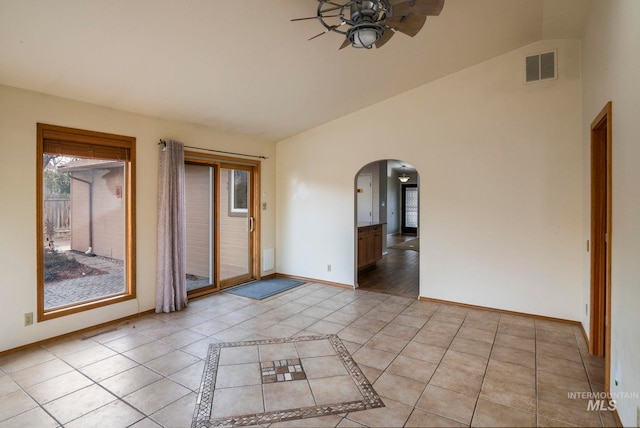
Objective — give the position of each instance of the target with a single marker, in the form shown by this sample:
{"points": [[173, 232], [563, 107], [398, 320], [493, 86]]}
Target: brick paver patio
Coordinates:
{"points": [[62, 293]]}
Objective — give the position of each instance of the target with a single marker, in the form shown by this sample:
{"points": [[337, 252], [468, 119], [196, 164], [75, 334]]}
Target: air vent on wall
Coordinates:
{"points": [[541, 67]]}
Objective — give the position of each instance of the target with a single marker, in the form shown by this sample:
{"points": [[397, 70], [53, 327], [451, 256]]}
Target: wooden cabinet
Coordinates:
{"points": [[369, 245]]}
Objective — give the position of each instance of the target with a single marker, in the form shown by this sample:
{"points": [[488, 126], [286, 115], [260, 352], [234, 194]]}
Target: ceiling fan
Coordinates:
{"points": [[365, 23]]}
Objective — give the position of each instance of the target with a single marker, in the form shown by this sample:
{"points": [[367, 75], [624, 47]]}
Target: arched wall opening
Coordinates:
{"points": [[386, 228]]}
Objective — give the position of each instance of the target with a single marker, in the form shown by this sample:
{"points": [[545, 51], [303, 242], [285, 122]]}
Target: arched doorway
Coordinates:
{"points": [[386, 228]]}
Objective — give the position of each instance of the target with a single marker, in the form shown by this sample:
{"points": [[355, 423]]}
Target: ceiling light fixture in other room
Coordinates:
{"points": [[404, 177]]}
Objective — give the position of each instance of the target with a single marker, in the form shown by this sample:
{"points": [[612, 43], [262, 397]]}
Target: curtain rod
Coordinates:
{"points": [[163, 143]]}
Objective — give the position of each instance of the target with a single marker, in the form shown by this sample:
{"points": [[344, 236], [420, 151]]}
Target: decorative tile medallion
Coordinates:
{"points": [[282, 371]]}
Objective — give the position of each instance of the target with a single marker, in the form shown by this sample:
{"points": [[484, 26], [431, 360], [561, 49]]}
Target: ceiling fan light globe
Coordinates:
{"points": [[365, 38], [364, 35], [369, 19]]}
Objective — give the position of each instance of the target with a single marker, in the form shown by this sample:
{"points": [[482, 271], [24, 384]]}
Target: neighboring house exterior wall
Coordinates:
{"points": [[234, 239], [80, 212], [108, 212], [198, 203]]}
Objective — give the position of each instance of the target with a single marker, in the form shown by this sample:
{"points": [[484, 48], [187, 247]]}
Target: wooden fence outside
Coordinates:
{"points": [[57, 210]]}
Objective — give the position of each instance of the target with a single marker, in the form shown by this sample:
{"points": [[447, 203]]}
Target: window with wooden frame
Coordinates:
{"points": [[85, 187]]}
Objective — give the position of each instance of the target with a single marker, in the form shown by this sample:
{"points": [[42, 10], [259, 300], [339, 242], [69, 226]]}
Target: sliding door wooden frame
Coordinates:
{"points": [[254, 269], [213, 208], [220, 162]]}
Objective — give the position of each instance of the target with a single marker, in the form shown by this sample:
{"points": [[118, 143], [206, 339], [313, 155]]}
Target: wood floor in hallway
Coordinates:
{"points": [[397, 273]]}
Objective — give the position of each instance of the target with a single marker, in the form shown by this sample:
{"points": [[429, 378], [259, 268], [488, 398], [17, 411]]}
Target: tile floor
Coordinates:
{"points": [[432, 364], [259, 382]]}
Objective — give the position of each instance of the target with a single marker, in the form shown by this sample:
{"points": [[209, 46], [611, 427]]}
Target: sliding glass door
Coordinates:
{"points": [[221, 225], [200, 184], [236, 226]]}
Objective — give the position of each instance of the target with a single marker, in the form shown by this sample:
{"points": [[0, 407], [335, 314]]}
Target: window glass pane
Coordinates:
{"points": [[199, 223], [84, 218], [411, 207], [234, 223], [238, 186]]}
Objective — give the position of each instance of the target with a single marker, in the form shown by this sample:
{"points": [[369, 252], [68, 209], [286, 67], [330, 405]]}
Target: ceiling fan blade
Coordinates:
{"points": [[344, 44], [313, 17], [435, 6], [317, 35], [330, 2], [386, 36], [331, 28], [408, 24], [423, 7], [331, 9]]}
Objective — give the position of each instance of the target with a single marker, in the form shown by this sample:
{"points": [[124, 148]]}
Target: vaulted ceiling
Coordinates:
{"points": [[242, 65]]}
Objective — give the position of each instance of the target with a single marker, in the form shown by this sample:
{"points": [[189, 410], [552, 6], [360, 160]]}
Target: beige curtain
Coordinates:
{"points": [[171, 286]]}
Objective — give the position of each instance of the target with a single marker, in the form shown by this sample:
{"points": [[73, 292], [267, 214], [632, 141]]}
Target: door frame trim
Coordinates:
{"points": [[195, 157], [600, 311]]}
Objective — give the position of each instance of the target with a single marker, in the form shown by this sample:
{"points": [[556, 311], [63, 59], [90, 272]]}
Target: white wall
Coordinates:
{"points": [[19, 112], [611, 70], [393, 202], [500, 167], [366, 213], [382, 191], [378, 172]]}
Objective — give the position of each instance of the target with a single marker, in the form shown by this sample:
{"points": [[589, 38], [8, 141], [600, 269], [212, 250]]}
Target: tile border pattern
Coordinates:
{"points": [[202, 414]]}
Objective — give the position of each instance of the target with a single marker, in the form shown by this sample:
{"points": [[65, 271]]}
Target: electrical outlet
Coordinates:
{"points": [[329, 268], [264, 206], [28, 318]]}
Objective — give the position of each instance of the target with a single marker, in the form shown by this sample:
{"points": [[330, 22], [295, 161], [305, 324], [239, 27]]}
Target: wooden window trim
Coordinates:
{"points": [[100, 145]]}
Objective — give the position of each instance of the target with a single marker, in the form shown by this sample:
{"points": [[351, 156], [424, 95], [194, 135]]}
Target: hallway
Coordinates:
{"points": [[397, 273]]}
